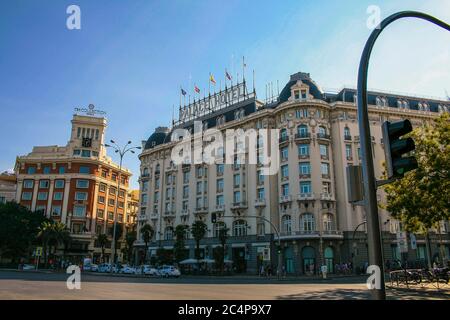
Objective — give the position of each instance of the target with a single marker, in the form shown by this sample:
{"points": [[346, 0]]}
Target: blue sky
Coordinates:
{"points": [[130, 58]]}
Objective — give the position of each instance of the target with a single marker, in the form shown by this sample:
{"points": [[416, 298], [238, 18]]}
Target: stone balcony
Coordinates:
{"points": [[285, 199], [260, 202], [306, 196]]}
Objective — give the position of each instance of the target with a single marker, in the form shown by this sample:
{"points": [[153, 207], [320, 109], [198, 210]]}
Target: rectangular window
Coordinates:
{"points": [[57, 196], [43, 184], [42, 196], [305, 187], [304, 168], [100, 213], [284, 153], [237, 180], [82, 184], [122, 194], [46, 170], [284, 172], [111, 202], [219, 185], [156, 196], [325, 169], [112, 191], [104, 173], [348, 151], [157, 183], [27, 195], [120, 204], [185, 191], [144, 199], [76, 152], [31, 170], [261, 193], [260, 177], [297, 94], [28, 184], [323, 150], [86, 153], [145, 186], [198, 202], [303, 149], [237, 197], [199, 187], [79, 211], [186, 177], [102, 187], [285, 189], [84, 170], [101, 199], [59, 184], [185, 205], [219, 168], [110, 215], [56, 210], [81, 196], [219, 200]]}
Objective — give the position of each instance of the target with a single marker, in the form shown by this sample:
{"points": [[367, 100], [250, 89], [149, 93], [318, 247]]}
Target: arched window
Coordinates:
{"points": [[322, 130], [307, 223], [168, 233], [157, 169], [217, 227], [346, 132], [328, 222], [302, 130], [286, 224], [239, 228], [145, 172]]}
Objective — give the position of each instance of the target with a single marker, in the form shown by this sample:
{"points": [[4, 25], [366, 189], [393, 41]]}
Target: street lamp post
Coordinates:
{"points": [[369, 182], [121, 151]]}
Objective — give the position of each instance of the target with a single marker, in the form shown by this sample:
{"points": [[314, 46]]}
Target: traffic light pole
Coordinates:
{"points": [[369, 181]]}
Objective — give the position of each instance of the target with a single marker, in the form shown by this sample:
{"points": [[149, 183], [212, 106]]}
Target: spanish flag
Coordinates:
{"points": [[211, 78]]}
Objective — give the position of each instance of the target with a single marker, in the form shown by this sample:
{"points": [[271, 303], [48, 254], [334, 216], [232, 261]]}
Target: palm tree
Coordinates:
{"points": [[52, 233], [130, 238], [180, 235], [198, 230], [102, 240], [147, 233]]}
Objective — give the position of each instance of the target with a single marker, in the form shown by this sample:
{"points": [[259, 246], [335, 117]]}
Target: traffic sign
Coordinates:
{"points": [[38, 252]]}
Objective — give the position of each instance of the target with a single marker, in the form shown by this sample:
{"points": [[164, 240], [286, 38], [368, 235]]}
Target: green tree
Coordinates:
{"points": [[130, 238], [198, 230], [421, 199], [119, 233], [178, 247], [219, 256], [51, 234], [18, 230], [102, 241], [147, 233]]}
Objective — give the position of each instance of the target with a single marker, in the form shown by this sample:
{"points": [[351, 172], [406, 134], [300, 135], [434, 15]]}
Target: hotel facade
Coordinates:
{"points": [[304, 203], [77, 184]]}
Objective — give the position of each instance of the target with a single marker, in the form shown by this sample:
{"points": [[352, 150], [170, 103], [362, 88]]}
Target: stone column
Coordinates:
{"points": [[50, 197], [64, 208], [35, 191]]}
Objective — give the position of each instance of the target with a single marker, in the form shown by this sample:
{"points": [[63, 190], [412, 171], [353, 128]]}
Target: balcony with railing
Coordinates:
{"points": [[142, 217], [303, 136], [306, 196], [283, 139], [239, 205], [154, 215], [184, 212], [323, 136], [201, 210], [260, 202], [219, 208], [285, 198], [332, 234], [326, 196], [347, 138]]}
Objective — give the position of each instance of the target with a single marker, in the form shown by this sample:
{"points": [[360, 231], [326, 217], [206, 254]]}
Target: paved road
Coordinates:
{"points": [[31, 285]]}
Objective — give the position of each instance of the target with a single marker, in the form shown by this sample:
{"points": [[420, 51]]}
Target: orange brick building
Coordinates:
{"points": [[77, 185]]}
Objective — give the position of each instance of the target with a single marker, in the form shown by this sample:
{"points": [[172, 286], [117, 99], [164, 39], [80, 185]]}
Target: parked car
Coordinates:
{"points": [[169, 271], [147, 270], [126, 269], [29, 267], [104, 268], [90, 267]]}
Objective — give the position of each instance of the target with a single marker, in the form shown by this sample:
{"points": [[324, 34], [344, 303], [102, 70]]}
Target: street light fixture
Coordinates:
{"points": [[121, 151]]}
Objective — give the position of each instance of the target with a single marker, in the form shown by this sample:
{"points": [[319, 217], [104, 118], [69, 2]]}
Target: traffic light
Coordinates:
{"points": [[213, 217], [395, 147]]}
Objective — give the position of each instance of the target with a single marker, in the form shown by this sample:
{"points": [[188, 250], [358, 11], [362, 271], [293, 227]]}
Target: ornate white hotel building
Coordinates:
{"points": [[306, 200]]}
